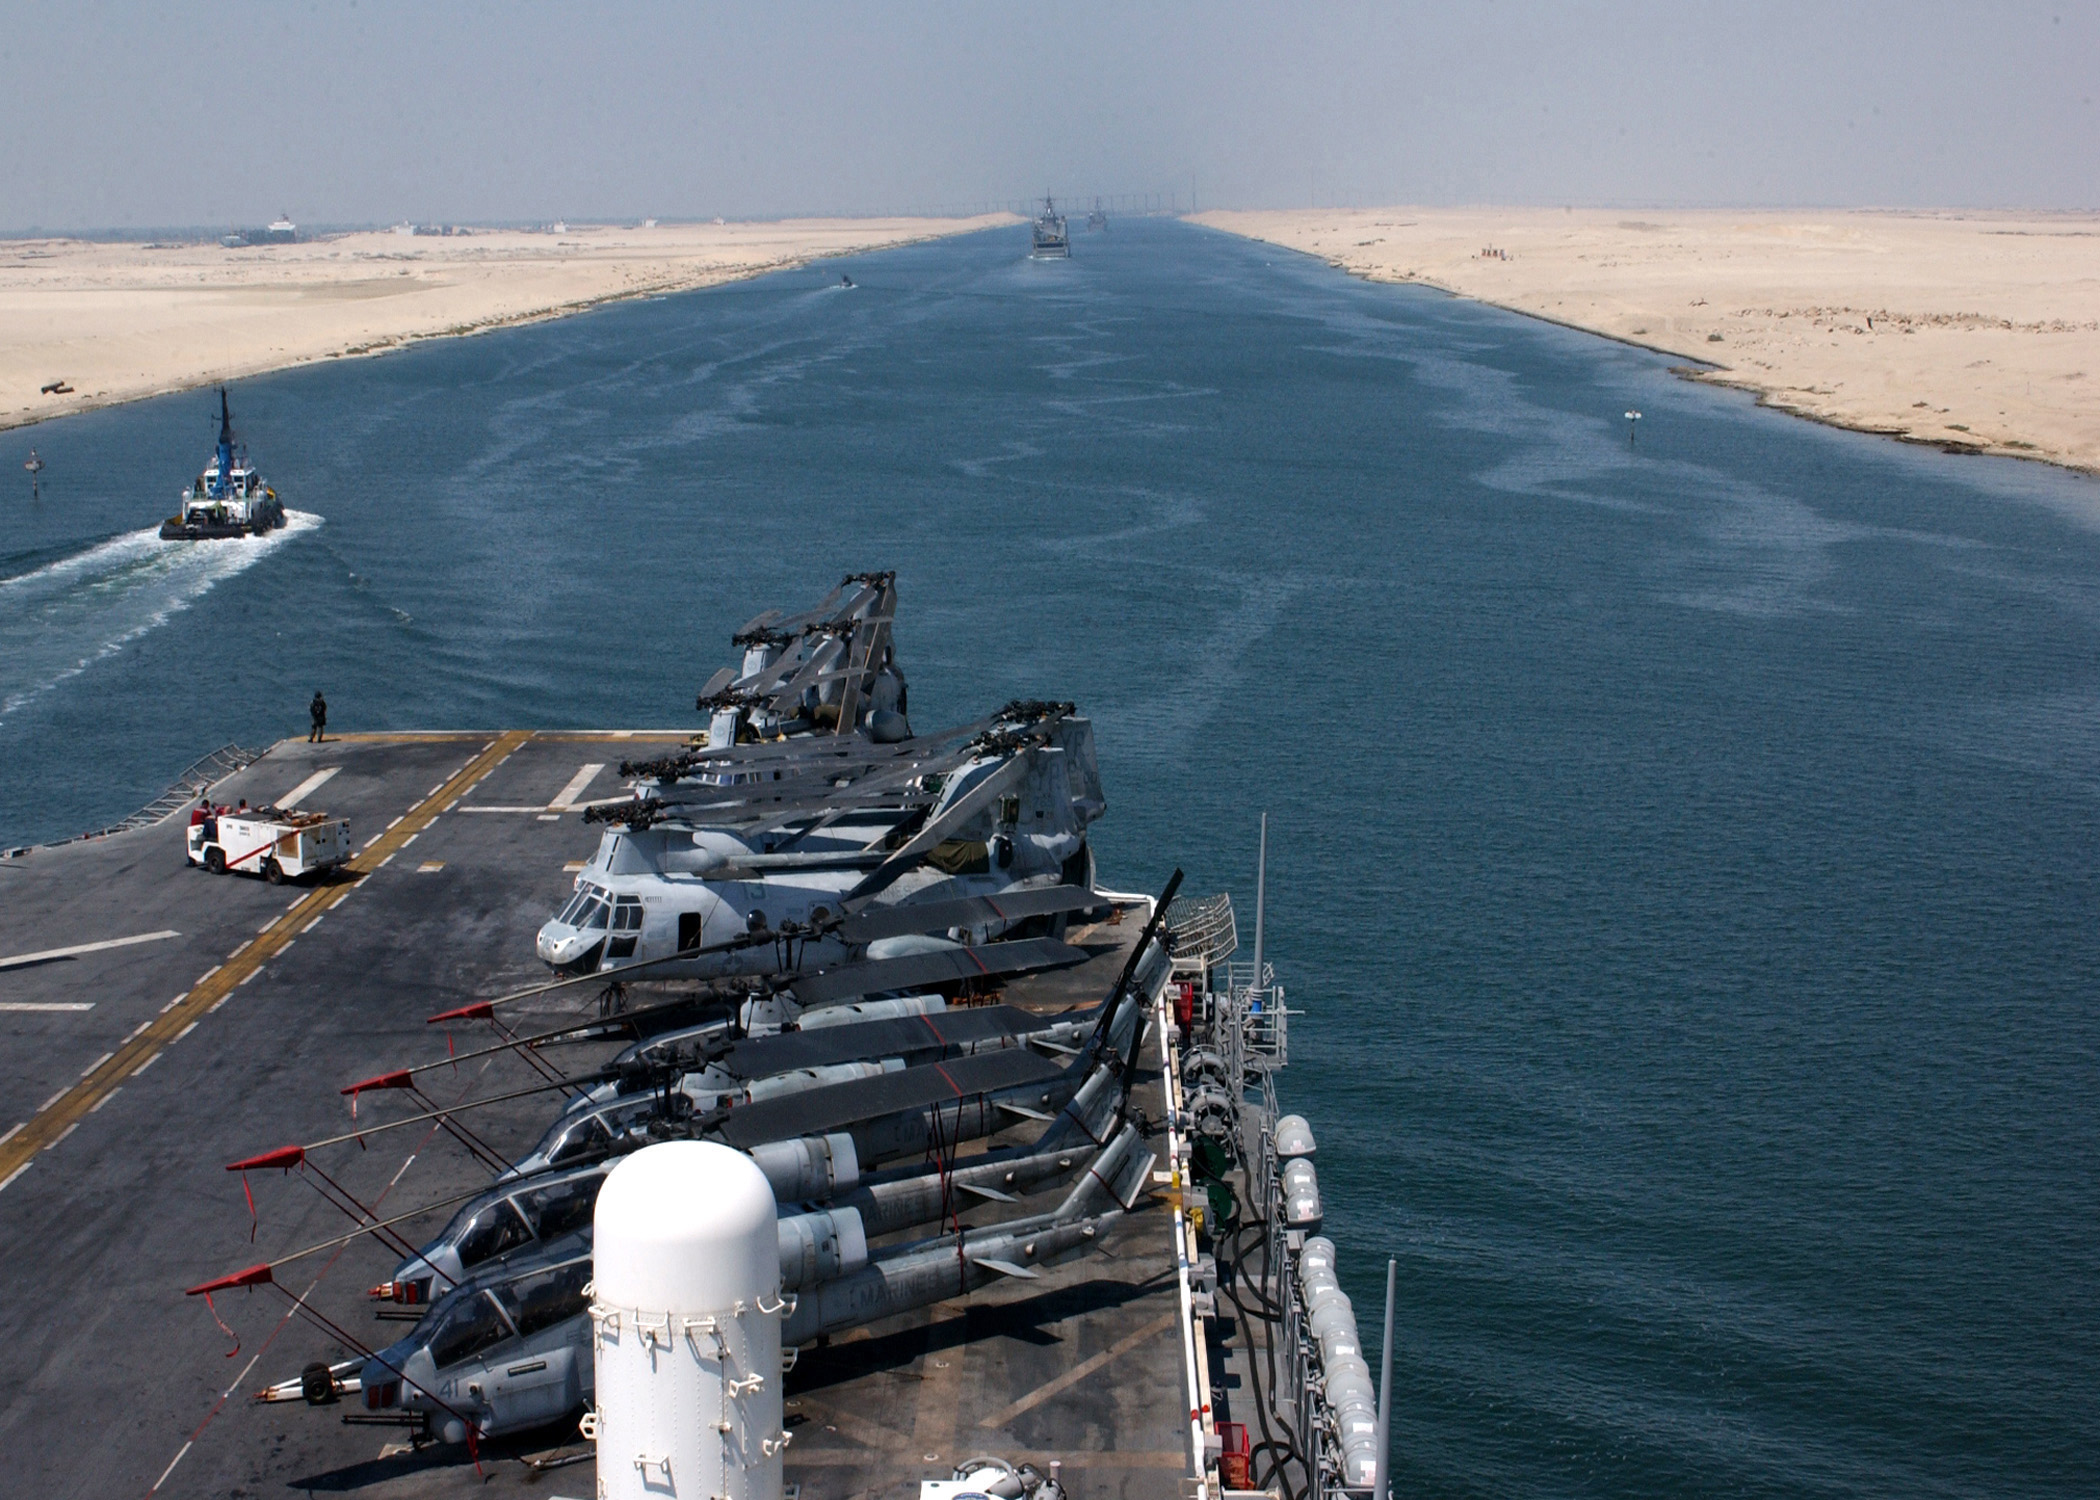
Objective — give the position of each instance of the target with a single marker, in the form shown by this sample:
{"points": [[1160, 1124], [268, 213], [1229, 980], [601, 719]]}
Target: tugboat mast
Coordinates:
{"points": [[225, 479]]}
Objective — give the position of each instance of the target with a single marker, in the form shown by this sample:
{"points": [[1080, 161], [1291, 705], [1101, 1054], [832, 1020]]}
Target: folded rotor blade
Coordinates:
{"points": [[922, 970], [873, 922], [938, 828], [839, 1105]]}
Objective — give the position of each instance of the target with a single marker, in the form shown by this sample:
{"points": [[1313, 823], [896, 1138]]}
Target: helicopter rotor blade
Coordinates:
{"points": [[257, 1275], [919, 970], [959, 812], [287, 1157], [872, 923]]}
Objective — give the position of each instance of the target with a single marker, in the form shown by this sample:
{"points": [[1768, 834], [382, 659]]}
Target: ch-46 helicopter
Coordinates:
{"points": [[762, 876]]}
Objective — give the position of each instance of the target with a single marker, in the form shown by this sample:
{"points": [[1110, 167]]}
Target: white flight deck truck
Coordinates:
{"points": [[274, 843]]}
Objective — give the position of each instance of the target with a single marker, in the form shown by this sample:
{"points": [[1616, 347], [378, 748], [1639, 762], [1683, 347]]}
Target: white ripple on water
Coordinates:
{"points": [[58, 620]]}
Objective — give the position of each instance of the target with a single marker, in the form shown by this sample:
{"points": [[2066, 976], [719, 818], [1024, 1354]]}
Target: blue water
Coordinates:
{"points": [[1684, 854]]}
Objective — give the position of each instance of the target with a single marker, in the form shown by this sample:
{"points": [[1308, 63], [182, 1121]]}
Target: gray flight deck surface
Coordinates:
{"points": [[233, 1036]]}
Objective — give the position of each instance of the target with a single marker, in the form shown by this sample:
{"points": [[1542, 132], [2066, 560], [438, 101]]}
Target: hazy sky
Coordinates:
{"points": [[355, 111]]}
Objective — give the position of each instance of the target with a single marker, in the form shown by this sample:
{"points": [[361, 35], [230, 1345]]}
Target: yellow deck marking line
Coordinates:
{"points": [[69, 1107], [1078, 1372]]}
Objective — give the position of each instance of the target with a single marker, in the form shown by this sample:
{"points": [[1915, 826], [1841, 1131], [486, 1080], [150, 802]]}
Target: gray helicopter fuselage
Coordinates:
{"points": [[653, 893], [509, 1349]]}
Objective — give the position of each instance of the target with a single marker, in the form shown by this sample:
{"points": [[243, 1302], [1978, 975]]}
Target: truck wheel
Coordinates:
{"points": [[273, 872], [215, 860]]}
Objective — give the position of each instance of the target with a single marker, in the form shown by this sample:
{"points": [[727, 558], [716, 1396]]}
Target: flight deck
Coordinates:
{"points": [[160, 1022]]}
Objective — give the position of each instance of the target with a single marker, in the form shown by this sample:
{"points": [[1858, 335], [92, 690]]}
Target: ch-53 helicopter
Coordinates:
{"points": [[762, 877], [829, 671]]}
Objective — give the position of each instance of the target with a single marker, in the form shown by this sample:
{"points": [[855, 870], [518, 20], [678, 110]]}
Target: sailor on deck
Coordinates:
{"points": [[319, 709]]}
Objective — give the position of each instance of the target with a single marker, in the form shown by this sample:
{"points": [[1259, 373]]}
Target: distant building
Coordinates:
{"points": [[281, 232]]}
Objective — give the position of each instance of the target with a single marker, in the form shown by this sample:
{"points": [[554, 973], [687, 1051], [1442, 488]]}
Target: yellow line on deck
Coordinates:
{"points": [[58, 1119]]}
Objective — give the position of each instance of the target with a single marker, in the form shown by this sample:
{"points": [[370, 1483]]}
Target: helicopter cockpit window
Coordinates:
{"points": [[496, 1229], [580, 1140], [580, 904], [475, 1323], [627, 914], [565, 1206], [542, 1300], [592, 915]]}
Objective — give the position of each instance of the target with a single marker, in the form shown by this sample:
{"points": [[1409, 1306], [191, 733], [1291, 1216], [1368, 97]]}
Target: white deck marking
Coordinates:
{"points": [[22, 959], [164, 1473], [307, 788], [504, 809], [566, 798], [46, 1005]]}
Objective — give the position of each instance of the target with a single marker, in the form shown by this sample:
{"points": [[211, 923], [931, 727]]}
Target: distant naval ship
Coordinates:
{"points": [[228, 499], [1048, 237]]}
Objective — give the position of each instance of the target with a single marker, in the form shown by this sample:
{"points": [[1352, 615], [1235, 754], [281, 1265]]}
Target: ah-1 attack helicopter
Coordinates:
{"points": [[503, 1348], [812, 1145], [508, 1348], [805, 1170]]}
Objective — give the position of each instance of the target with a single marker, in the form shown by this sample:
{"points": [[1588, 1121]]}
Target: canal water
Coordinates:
{"points": [[1683, 854]]}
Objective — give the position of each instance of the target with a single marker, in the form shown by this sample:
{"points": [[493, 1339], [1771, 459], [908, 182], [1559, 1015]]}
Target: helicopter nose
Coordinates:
{"points": [[559, 944]]}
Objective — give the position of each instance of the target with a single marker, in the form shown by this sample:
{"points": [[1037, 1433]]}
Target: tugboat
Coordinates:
{"points": [[228, 499], [1047, 238]]}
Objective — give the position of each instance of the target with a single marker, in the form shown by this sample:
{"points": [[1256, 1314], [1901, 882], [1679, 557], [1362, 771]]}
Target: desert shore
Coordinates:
{"points": [[117, 322], [1976, 332]]}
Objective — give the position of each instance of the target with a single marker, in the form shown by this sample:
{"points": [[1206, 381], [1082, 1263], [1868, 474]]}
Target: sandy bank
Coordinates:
{"points": [[120, 321], [1972, 331]]}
